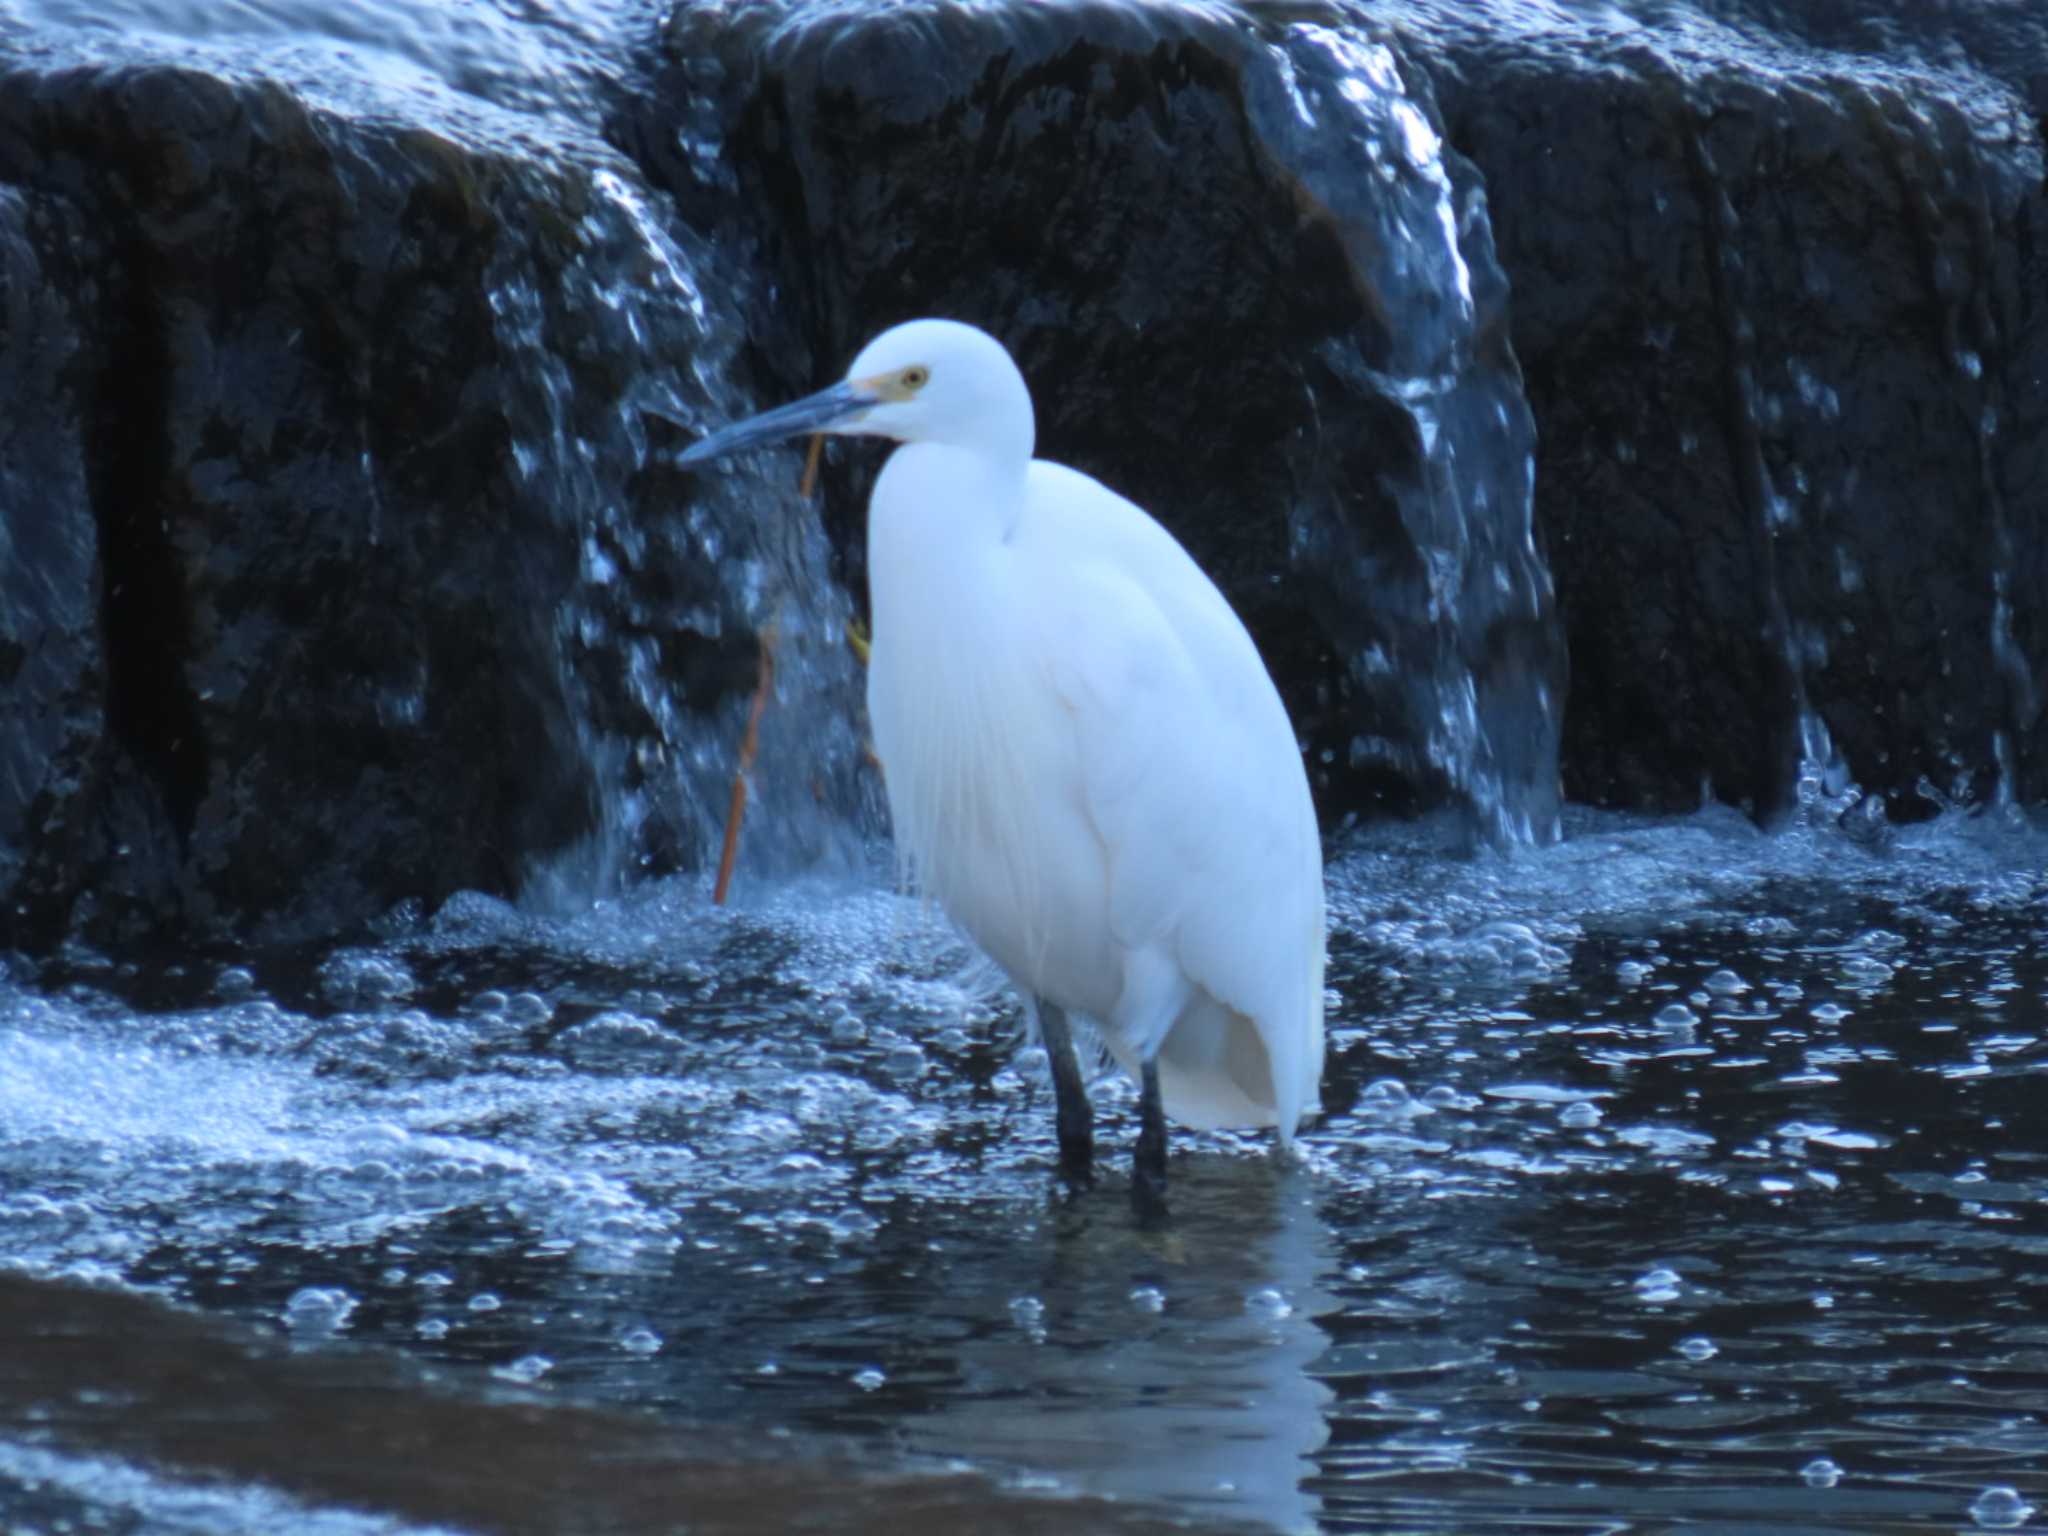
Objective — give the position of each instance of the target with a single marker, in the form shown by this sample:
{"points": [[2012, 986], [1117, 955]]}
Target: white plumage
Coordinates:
{"points": [[1088, 767]]}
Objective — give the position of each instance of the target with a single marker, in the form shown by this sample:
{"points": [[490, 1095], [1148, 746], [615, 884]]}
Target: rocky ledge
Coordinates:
{"points": [[1630, 406]]}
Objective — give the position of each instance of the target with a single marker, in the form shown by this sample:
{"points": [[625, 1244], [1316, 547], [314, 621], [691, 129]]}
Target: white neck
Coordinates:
{"points": [[935, 504]]}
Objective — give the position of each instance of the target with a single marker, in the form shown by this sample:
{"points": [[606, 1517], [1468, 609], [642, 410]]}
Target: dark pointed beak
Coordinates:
{"points": [[825, 411]]}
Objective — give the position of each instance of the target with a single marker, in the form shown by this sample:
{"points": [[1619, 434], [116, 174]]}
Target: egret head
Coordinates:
{"points": [[925, 381]]}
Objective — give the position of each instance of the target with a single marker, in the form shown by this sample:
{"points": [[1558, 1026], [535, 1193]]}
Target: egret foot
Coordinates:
{"points": [[1148, 1169], [1076, 1121]]}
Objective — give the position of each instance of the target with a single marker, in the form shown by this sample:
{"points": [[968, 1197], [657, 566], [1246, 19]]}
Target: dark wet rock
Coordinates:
{"points": [[1220, 251], [349, 415], [1778, 300], [53, 697], [326, 606], [344, 568]]}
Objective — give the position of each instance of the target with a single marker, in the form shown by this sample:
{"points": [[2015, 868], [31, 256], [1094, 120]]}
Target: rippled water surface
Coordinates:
{"points": [[1675, 1176]]}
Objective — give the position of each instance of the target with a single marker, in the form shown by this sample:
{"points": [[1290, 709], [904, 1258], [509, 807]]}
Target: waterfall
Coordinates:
{"points": [[1460, 626]]}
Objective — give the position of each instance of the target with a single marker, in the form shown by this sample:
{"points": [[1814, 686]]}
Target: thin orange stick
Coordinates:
{"points": [[810, 480], [749, 744]]}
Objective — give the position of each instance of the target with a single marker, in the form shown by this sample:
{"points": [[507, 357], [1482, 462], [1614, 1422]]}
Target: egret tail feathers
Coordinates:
{"points": [[1216, 1073]]}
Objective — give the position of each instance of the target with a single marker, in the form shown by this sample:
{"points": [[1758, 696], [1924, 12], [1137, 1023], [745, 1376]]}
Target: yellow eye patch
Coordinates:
{"points": [[894, 388]]}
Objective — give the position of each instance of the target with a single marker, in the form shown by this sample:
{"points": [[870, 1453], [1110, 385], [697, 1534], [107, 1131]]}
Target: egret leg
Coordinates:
{"points": [[1076, 1121], [1148, 1172]]}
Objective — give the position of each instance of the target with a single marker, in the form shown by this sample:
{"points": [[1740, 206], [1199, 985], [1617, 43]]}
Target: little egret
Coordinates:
{"points": [[1087, 764]]}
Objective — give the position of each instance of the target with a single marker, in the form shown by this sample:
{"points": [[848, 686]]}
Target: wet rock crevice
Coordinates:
{"points": [[317, 659], [1771, 296], [346, 562]]}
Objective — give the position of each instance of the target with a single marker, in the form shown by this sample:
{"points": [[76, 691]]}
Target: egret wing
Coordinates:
{"points": [[1155, 770], [1190, 772]]}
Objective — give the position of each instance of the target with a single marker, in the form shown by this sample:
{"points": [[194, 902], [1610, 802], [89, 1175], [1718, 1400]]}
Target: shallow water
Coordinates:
{"points": [[1675, 1176]]}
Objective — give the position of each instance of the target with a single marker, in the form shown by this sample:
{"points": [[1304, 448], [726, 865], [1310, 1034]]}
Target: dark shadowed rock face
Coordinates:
{"points": [[330, 580], [1779, 299], [324, 607], [53, 686], [340, 563], [1247, 294]]}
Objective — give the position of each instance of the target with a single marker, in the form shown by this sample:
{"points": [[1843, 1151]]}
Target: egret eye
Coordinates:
{"points": [[915, 377]]}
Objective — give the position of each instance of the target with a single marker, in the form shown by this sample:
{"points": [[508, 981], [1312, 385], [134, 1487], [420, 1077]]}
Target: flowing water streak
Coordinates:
{"points": [[768, 547], [1339, 115], [1784, 417], [627, 324]]}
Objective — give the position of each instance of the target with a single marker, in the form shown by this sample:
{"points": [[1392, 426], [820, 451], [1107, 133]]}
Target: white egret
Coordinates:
{"points": [[1088, 766]]}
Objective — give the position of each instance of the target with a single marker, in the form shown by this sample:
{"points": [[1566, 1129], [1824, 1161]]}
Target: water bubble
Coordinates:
{"points": [[1825, 1135], [234, 983], [317, 1310], [1666, 1140], [356, 979], [1659, 1284], [1697, 1348], [1386, 1095], [1148, 1298], [432, 1328], [484, 1301], [640, 1341], [869, 1380], [528, 1010], [1540, 1093], [527, 1369], [1820, 1473], [615, 1036], [1444, 1096], [1580, 1116], [1725, 983], [2000, 1509], [847, 1030], [1267, 1302], [904, 1060], [1027, 1311], [1631, 972], [1675, 1016]]}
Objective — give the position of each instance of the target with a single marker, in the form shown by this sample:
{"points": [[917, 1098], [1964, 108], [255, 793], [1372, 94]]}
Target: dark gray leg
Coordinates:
{"points": [[1148, 1172], [1076, 1121]]}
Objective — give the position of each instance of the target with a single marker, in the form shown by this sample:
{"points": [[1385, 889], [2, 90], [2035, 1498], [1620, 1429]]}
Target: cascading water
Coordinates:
{"points": [[550, 636], [1331, 421], [1803, 494], [684, 581], [524, 642], [1673, 1174], [1463, 624]]}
